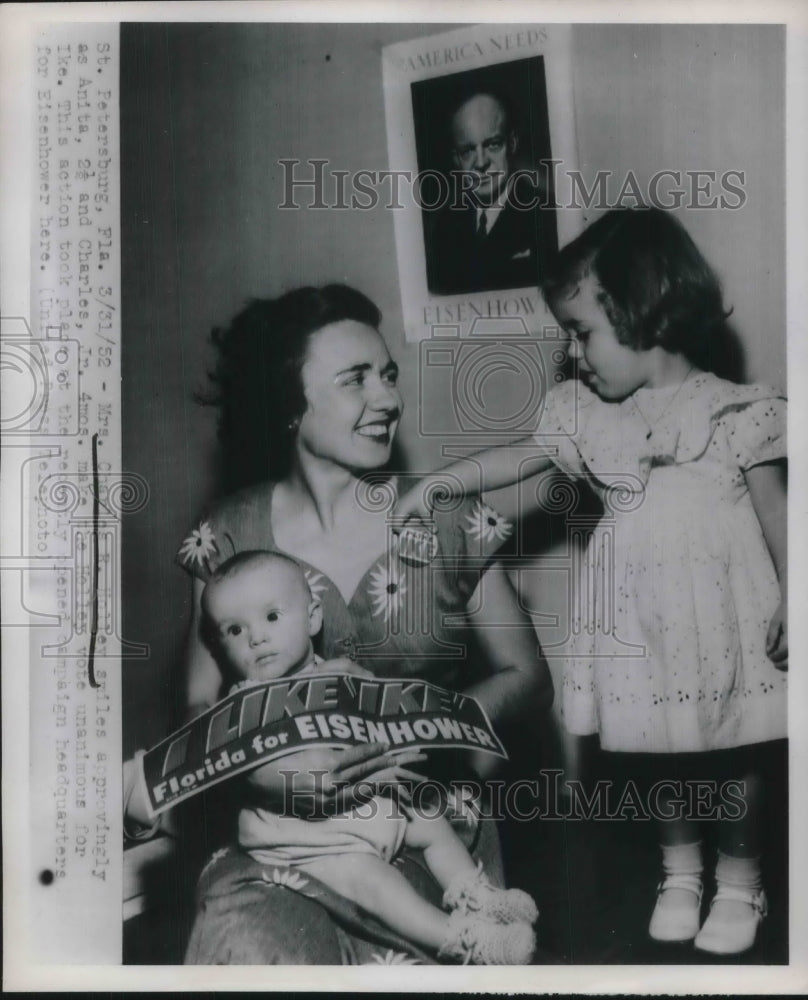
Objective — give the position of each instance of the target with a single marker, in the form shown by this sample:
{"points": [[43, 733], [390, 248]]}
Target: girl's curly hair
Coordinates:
{"points": [[256, 382], [656, 287]]}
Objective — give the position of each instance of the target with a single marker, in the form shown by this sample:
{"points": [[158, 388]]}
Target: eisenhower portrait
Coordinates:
{"points": [[483, 148]]}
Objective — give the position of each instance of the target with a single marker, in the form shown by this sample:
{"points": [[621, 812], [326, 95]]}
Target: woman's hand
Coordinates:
{"points": [[344, 665], [324, 782], [202, 675], [394, 775], [777, 636]]}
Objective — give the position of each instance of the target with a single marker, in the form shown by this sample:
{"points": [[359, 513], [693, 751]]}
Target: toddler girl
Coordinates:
{"points": [[678, 654], [259, 618]]}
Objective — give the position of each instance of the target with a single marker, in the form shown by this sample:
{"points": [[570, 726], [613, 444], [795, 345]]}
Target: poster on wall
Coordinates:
{"points": [[481, 124]]}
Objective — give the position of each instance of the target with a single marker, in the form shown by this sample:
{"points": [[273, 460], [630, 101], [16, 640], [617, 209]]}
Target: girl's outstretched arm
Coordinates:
{"points": [[767, 488], [492, 469]]}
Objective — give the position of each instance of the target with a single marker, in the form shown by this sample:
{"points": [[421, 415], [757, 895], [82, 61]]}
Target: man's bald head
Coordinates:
{"points": [[483, 144]]}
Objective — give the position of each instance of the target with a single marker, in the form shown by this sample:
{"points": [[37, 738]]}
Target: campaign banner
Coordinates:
{"points": [[264, 721]]}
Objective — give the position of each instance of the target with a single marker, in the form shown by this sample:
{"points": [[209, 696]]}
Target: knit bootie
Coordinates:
{"points": [[473, 894], [676, 916], [475, 941], [731, 926]]}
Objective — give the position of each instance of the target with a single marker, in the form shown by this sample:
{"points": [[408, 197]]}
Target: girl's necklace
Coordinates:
{"points": [[652, 426]]}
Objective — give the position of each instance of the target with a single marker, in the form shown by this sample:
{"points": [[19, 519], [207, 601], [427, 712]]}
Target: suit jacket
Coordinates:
{"points": [[513, 254]]}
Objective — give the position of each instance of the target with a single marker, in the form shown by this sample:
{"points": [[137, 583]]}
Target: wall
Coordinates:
{"points": [[207, 112], [707, 97]]}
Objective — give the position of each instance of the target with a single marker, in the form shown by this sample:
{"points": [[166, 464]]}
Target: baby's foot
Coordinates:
{"points": [[473, 894], [471, 939]]}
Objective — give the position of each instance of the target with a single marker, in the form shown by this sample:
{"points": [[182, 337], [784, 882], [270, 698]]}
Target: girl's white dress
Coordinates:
{"points": [[666, 651]]}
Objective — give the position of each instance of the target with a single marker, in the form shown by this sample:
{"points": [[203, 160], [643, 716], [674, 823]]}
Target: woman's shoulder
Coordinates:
{"points": [[235, 523], [244, 502]]}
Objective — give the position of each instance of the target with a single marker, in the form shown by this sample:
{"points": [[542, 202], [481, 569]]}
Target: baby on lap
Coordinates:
{"points": [[259, 618]]}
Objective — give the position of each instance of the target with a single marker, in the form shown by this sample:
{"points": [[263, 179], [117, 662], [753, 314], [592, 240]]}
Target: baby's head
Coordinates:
{"points": [[648, 277], [258, 616]]}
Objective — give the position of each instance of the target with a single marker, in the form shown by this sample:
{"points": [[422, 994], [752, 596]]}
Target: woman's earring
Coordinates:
{"points": [[293, 425]]}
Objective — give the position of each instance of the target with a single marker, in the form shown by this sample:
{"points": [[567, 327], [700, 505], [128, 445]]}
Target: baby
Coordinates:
{"points": [[259, 618]]}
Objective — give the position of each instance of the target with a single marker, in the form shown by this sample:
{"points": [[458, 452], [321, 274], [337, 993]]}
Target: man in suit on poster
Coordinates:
{"points": [[492, 233]]}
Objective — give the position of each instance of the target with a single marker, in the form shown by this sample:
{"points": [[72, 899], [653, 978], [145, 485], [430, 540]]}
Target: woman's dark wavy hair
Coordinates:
{"points": [[656, 287], [257, 382]]}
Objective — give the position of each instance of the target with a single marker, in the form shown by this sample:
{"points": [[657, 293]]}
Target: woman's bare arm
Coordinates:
{"points": [[520, 688], [203, 679]]}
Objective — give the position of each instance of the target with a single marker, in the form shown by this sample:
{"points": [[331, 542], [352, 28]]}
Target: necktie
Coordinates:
{"points": [[482, 226]]}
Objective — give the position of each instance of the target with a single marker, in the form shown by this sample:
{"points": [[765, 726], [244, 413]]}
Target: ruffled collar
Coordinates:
{"points": [[614, 440]]}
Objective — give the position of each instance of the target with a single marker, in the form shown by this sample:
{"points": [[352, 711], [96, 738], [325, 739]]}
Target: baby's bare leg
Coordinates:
{"points": [[466, 888], [444, 852], [383, 891]]}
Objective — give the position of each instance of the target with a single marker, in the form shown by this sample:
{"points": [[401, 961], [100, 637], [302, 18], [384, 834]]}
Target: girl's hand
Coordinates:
{"points": [[413, 504], [777, 637]]}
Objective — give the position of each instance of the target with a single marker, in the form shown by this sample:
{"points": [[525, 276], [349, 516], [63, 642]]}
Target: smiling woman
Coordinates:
{"points": [[309, 405], [257, 381], [353, 403]]}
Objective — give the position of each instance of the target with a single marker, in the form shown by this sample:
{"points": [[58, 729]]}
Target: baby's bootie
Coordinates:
{"points": [[474, 940], [473, 894], [738, 908], [677, 913]]}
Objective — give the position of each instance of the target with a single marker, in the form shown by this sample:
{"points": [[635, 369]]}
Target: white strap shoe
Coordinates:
{"points": [[731, 930], [677, 918]]}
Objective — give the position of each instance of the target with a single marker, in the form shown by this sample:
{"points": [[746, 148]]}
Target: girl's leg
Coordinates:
{"points": [[741, 837], [676, 916], [740, 903]]}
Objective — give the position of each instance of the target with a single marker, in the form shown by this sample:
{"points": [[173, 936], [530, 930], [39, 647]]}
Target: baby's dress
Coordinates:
{"points": [[666, 651]]}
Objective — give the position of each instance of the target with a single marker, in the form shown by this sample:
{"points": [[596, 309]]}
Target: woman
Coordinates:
{"points": [[309, 404]]}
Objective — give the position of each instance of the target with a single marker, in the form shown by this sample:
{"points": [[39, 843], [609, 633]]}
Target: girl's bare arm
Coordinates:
{"points": [[767, 488]]}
